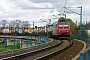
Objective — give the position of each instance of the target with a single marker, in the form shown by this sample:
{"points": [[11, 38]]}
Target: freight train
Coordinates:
{"points": [[61, 28], [58, 29]]}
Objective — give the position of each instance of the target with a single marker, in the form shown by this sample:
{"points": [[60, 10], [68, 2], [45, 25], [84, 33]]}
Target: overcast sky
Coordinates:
{"points": [[34, 10]]}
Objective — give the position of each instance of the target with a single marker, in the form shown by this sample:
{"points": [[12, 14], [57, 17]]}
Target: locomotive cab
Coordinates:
{"points": [[63, 29]]}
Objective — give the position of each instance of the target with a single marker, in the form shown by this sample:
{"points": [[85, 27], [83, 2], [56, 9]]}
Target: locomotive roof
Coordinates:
{"points": [[62, 22]]}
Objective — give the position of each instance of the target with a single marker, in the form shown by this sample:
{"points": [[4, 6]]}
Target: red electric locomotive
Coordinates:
{"points": [[61, 29]]}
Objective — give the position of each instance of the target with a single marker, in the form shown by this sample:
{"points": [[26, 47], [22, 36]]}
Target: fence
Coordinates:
{"points": [[27, 41], [82, 54]]}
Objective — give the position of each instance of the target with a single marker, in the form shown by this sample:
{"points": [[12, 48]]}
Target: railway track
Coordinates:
{"points": [[50, 52], [43, 53], [11, 54]]}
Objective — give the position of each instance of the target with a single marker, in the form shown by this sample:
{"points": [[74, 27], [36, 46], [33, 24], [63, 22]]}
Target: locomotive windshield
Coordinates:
{"points": [[60, 26], [63, 26]]}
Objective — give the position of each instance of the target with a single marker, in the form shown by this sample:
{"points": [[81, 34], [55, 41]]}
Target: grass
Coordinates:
{"points": [[9, 47], [1, 44], [1, 49]]}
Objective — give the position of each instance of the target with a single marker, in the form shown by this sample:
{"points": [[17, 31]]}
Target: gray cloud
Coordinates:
{"points": [[44, 1]]}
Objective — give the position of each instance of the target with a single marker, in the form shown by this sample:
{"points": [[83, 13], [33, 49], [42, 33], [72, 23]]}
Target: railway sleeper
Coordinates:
{"points": [[48, 56]]}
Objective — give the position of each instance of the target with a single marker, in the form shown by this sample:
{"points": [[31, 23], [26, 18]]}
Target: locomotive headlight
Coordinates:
{"points": [[67, 31]]}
